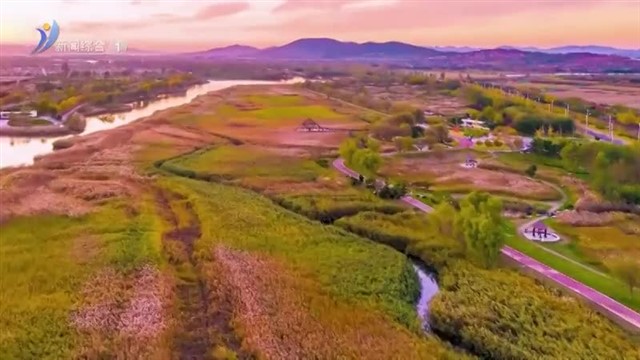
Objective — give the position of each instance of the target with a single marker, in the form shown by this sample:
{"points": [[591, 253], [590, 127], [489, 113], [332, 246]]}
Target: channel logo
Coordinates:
{"points": [[48, 36]]}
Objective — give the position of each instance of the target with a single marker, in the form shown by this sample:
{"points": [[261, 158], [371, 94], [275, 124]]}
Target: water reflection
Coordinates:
{"points": [[21, 150]]}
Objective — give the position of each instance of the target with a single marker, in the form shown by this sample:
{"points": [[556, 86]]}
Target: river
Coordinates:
{"points": [[16, 151]]}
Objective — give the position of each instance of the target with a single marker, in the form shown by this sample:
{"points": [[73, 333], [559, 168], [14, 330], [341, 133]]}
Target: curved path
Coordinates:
{"points": [[607, 304]]}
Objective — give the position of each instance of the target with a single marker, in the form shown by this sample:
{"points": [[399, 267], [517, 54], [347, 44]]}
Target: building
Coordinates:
{"points": [[4, 115], [470, 123]]}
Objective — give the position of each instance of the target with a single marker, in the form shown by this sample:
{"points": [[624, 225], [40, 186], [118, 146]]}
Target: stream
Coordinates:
{"points": [[17, 151], [428, 289]]}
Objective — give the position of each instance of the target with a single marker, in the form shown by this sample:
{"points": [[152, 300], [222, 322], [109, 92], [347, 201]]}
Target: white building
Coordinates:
{"points": [[7, 114], [468, 122]]}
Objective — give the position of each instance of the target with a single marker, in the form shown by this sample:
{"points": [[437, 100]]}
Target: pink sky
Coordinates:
{"points": [[198, 25]]}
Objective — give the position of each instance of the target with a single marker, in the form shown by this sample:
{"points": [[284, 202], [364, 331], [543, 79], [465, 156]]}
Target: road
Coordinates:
{"points": [[599, 134], [611, 306]]}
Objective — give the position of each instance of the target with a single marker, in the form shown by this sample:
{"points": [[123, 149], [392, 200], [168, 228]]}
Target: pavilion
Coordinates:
{"points": [[538, 231], [311, 126]]}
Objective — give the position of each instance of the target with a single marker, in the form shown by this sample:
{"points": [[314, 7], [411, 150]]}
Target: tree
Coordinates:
{"points": [[570, 156], [347, 149], [628, 271], [403, 143], [531, 170], [444, 218], [440, 132], [367, 161], [480, 224], [68, 103], [628, 117], [418, 116]]}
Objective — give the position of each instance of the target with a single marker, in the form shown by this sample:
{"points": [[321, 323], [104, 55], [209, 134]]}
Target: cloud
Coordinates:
{"points": [[347, 17], [297, 5], [213, 11], [219, 10]]}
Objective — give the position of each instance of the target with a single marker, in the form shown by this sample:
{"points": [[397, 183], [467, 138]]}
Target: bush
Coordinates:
{"points": [[488, 143], [323, 163], [498, 143], [76, 122], [63, 143], [531, 170], [393, 191]]}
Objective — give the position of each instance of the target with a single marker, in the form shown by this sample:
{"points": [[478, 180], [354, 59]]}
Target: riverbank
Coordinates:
{"points": [[37, 131]]}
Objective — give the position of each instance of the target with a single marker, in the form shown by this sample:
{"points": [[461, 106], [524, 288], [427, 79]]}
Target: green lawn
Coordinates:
{"points": [[317, 112], [249, 161]]}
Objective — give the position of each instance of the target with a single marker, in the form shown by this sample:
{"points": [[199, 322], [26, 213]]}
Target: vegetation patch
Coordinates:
{"points": [[495, 313]]}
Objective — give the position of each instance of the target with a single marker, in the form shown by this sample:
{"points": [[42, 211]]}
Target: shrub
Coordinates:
{"points": [[488, 143], [63, 143], [531, 170], [76, 122]]}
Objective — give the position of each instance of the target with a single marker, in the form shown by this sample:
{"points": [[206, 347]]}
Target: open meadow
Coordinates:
{"points": [[218, 230], [195, 268], [443, 171]]}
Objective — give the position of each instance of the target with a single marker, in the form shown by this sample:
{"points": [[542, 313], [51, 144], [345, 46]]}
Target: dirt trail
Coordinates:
{"points": [[191, 338], [203, 314]]}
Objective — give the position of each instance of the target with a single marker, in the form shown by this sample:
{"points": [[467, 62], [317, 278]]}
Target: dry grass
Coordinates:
{"points": [[587, 218], [281, 320], [123, 315], [444, 172]]}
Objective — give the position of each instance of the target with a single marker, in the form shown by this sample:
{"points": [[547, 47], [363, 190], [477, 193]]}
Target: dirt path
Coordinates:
{"points": [[203, 311], [191, 338]]}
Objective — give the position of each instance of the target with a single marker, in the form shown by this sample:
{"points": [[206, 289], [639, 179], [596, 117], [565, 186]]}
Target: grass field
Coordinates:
{"points": [[46, 262], [173, 237], [322, 280], [605, 284], [444, 173], [29, 122]]}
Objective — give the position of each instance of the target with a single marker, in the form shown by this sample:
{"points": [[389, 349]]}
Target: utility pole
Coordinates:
{"points": [[639, 131], [610, 129], [566, 111], [586, 118]]}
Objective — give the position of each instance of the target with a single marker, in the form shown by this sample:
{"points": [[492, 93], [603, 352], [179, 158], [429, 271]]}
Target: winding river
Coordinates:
{"points": [[16, 151]]}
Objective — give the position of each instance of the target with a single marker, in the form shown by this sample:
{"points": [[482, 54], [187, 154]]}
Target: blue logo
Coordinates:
{"points": [[47, 41]]}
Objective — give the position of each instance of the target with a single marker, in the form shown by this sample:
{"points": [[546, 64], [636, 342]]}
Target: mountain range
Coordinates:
{"points": [[568, 58]]}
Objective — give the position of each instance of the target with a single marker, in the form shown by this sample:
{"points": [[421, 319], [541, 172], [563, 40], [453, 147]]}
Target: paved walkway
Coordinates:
{"points": [[608, 304]]}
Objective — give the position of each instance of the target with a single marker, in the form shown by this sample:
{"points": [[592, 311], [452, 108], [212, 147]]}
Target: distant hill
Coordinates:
{"points": [[324, 49], [592, 49], [518, 60], [232, 51], [574, 49], [529, 59]]}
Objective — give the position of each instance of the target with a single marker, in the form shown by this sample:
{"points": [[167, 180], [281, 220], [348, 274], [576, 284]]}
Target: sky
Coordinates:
{"points": [[174, 26]]}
